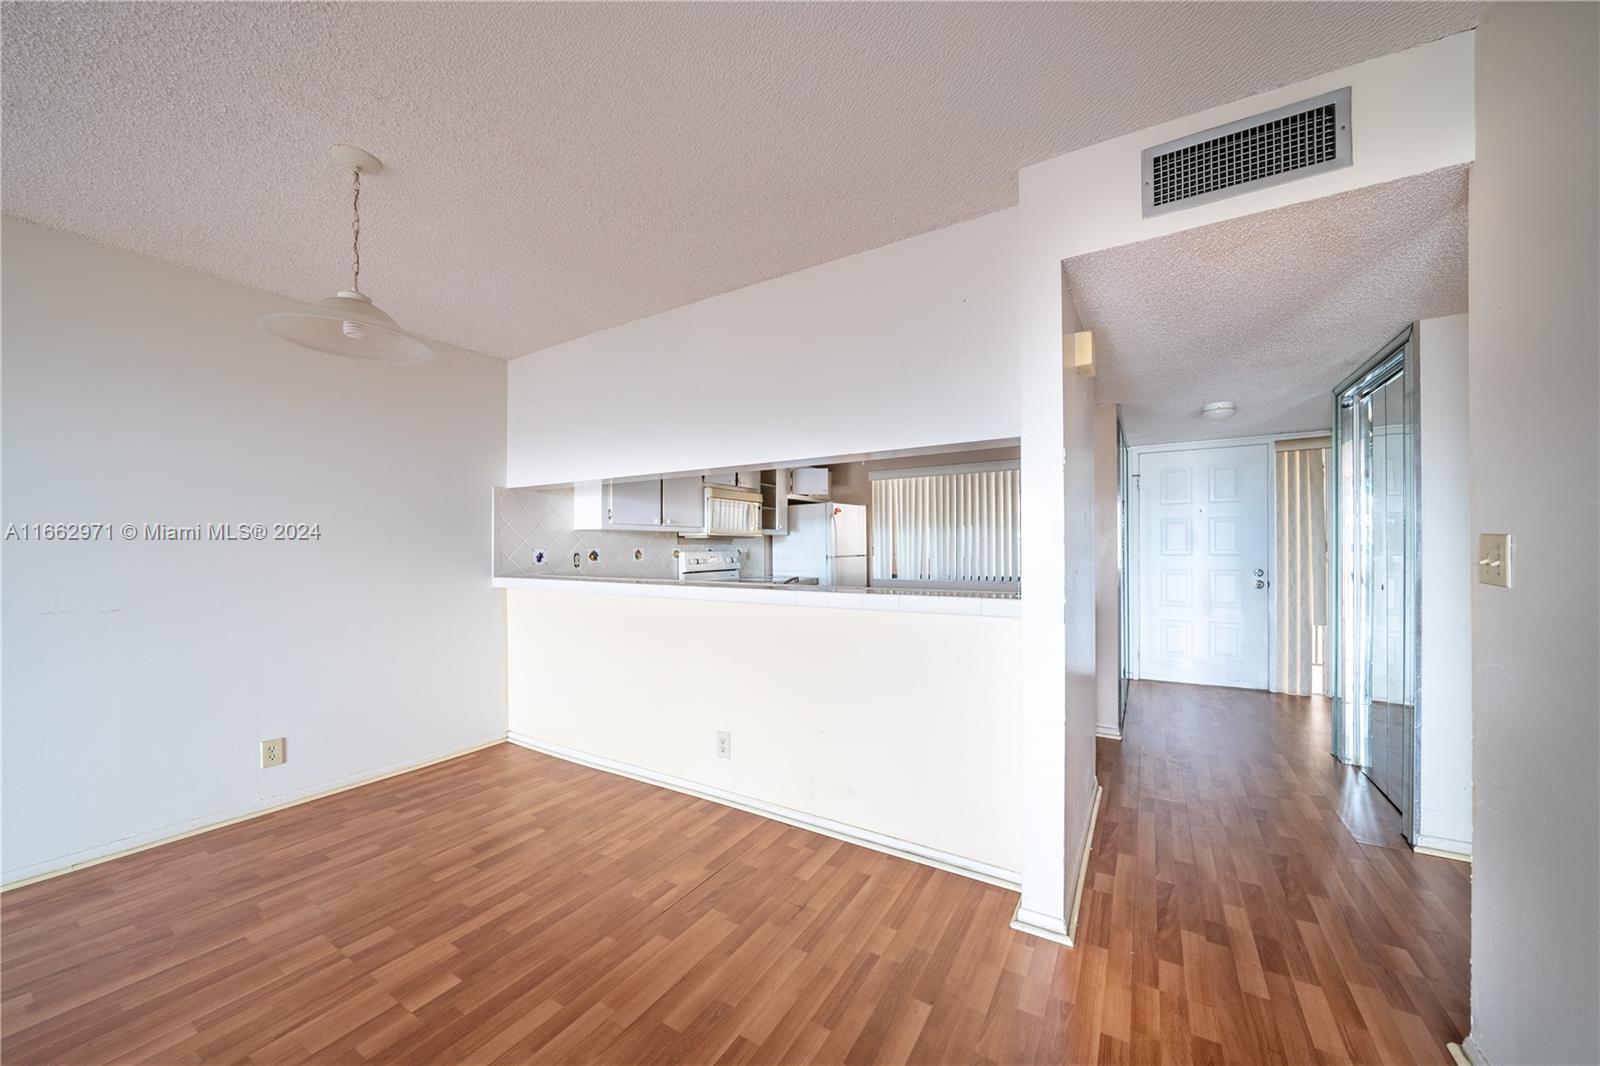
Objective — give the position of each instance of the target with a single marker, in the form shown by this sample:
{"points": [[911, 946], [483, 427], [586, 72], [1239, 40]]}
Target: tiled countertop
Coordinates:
{"points": [[927, 601]]}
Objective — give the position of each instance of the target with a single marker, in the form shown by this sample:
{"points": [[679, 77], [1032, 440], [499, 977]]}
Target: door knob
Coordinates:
{"points": [[1260, 584]]}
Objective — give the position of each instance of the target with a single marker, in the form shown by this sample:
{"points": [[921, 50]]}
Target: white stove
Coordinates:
{"points": [[708, 564]]}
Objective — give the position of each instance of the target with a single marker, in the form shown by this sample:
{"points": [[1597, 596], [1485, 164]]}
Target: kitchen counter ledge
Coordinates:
{"points": [[924, 601]]}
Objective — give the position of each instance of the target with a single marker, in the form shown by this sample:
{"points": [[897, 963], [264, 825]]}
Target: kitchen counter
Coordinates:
{"points": [[1004, 604]]}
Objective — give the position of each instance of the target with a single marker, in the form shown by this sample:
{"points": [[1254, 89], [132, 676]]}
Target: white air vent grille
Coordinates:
{"points": [[1291, 142]]}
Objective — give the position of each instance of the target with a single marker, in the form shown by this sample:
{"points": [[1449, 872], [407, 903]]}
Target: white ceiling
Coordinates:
{"points": [[554, 169], [1269, 310]]}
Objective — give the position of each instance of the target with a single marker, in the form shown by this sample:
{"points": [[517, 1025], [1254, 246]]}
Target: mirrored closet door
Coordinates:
{"points": [[1375, 445]]}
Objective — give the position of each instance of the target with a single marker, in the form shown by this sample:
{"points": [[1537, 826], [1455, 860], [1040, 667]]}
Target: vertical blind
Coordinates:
{"points": [[1301, 582], [957, 526]]}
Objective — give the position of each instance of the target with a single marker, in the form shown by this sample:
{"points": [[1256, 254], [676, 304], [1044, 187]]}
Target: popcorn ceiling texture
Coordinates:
{"points": [[555, 169], [1269, 310]]}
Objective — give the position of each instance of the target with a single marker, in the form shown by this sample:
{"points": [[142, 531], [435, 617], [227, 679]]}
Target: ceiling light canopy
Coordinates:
{"points": [[1217, 410], [348, 323]]}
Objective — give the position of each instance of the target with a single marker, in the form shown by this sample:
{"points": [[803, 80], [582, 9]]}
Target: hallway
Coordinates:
{"points": [[1239, 916]]}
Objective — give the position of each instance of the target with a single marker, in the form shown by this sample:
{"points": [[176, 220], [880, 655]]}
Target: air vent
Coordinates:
{"points": [[1292, 142]]}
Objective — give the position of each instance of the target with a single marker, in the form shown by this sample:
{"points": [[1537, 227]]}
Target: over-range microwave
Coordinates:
{"points": [[732, 512]]}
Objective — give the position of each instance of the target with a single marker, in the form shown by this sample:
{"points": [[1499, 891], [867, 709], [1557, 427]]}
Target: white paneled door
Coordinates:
{"points": [[1204, 532]]}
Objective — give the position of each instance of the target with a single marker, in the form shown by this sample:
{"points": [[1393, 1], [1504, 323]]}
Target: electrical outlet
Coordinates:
{"points": [[273, 752], [724, 745]]}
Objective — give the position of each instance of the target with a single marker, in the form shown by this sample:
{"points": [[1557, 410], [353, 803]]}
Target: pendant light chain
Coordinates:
{"points": [[355, 231], [348, 323]]}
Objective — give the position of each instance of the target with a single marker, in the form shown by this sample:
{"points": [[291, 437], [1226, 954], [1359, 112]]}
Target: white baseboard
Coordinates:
{"points": [[78, 860], [1443, 847], [1108, 732], [1083, 860], [850, 834], [1037, 923], [1048, 926], [1470, 1051]]}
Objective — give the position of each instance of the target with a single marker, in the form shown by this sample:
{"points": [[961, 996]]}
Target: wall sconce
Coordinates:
{"points": [[1082, 353]]}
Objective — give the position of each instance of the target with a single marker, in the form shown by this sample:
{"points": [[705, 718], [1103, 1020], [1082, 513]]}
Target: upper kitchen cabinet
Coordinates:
{"points": [[683, 503], [775, 502], [617, 505], [744, 479], [674, 504], [810, 482]]}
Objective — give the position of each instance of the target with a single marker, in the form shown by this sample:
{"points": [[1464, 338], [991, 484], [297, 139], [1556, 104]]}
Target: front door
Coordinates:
{"points": [[1203, 567]]}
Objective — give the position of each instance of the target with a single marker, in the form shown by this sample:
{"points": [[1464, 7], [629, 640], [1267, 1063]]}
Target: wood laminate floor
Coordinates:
{"points": [[509, 907]]}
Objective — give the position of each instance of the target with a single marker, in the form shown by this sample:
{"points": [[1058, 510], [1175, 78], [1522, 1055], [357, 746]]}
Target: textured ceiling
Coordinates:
{"points": [[1269, 310], [554, 169]]}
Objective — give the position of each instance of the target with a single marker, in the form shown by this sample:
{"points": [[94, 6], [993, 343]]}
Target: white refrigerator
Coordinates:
{"points": [[827, 541]]}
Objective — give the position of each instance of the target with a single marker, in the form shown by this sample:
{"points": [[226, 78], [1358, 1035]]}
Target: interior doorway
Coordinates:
{"points": [[1235, 331]]}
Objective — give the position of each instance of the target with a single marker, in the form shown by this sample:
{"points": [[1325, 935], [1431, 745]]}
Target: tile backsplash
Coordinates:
{"points": [[530, 521]]}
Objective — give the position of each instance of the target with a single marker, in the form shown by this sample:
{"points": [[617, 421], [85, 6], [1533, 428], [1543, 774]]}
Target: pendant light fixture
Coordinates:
{"points": [[348, 323]]}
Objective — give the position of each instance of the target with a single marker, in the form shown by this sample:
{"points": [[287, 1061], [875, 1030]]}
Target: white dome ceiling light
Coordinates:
{"points": [[348, 323], [1217, 410]]}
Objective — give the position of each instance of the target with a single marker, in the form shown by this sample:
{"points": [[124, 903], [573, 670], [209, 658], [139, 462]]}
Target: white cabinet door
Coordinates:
{"points": [[683, 503], [1203, 532], [635, 503], [809, 481]]}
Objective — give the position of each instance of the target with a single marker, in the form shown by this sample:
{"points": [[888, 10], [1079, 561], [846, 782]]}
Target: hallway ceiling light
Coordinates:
{"points": [[1217, 410], [348, 323]]}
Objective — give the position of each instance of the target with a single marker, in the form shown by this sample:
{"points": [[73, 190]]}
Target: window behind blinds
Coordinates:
{"points": [[946, 526]]}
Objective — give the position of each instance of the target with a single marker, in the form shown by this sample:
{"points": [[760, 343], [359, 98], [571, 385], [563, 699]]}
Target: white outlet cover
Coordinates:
{"points": [[724, 745]]}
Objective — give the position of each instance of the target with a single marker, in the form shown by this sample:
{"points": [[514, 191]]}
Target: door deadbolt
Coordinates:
{"points": [[1260, 572]]}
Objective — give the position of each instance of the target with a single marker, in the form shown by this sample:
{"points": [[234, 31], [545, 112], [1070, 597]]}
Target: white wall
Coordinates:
{"points": [[1411, 113], [1081, 596], [900, 724], [1444, 756], [1533, 384], [1107, 578], [909, 345], [140, 677], [1058, 608], [903, 346]]}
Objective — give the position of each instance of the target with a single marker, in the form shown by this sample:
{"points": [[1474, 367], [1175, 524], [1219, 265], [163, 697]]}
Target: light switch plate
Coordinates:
{"points": [[1494, 559]]}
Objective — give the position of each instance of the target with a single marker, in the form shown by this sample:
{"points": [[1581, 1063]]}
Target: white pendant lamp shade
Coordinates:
{"points": [[348, 323]]}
